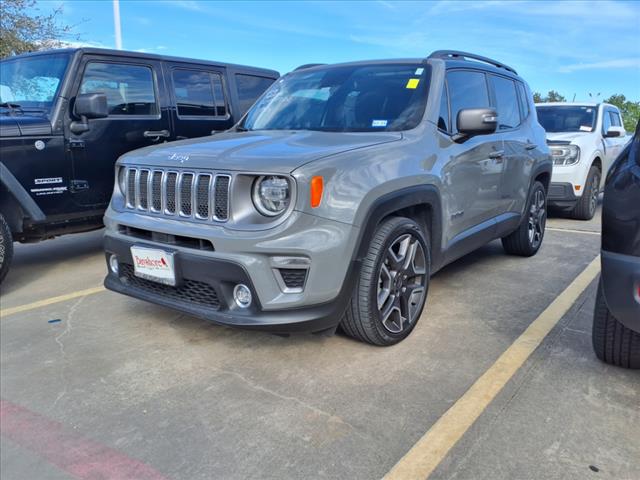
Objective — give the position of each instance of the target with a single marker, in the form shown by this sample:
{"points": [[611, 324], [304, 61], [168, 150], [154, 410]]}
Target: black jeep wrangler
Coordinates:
{"points": [[67, 115]]}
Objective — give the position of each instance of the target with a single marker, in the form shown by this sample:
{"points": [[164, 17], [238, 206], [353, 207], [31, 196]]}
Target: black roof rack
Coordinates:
{"points": [[308, 65], [455, 55]]}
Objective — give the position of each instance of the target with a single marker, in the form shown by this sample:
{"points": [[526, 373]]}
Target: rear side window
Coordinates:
{"points": [[199, 93], [466, 90], [250, 88], [129, 88], [524, 100], [507, 103]]}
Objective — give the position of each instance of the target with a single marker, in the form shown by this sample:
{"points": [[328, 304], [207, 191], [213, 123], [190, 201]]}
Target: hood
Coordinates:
{"points": [[260, 151], [565, 136], [24, 125]]}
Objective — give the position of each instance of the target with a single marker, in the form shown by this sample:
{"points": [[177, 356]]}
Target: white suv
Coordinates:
{"points": [[585, 139]]}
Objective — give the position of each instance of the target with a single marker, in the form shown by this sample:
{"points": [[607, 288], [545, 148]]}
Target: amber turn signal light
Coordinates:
{"points": [[317, 186]]}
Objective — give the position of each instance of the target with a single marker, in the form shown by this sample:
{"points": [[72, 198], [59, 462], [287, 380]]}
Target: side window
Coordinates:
{"points": [[198, 93], [466, 90], [443, 117], [506, 102], [606, 120], [524, 100], [250, 88], [615, 118], [129, 88]]}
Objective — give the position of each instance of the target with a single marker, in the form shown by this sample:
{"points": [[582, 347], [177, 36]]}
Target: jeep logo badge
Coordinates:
{"points": [[179, 157]]}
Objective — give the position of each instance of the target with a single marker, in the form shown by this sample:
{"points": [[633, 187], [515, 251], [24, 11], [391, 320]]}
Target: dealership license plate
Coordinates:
{"points": [[153, 264]]}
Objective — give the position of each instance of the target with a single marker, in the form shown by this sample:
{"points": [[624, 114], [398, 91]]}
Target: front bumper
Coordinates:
{"points": [[621, 284], [562, 195], [205, 290]]}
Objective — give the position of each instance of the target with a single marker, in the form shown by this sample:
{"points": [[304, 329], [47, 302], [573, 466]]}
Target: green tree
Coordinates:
{"points": [[23, 31], [552, 96], [630, 110]]}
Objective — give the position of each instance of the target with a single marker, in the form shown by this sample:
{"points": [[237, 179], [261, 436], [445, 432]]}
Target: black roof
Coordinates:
{"points": [[150, 56]]}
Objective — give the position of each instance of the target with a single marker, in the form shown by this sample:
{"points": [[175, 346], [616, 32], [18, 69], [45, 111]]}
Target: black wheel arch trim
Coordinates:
{"points": [[398, 200], [21, 196], [546, 167]]}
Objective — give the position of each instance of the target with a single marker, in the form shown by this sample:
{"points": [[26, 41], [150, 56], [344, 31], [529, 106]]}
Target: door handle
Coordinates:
{"points": [[531, 146], [156, 133], [496, 154]]}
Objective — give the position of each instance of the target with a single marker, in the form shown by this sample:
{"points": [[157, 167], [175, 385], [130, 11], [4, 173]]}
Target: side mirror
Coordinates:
{"points": [[476, 121], [89, 105], [615, 132]]}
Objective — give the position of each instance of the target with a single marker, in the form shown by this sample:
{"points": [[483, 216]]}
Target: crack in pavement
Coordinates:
{"points": [[316, 410], [58, 340]]}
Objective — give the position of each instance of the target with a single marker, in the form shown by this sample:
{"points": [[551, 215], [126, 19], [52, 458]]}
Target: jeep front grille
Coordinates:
{"points": [[199, 195]]}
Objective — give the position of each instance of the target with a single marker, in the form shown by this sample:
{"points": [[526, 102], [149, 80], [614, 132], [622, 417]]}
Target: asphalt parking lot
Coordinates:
{"points": [[96, 385]]}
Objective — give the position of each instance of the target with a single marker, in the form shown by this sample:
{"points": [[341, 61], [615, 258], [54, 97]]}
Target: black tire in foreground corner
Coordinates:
{"points": [[391, 289], [527, 239], [612, 341], [6, 248], [586, 207]]}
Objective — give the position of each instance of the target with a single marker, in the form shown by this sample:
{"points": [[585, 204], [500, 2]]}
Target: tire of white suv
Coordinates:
{"points": [[527, 239], [613, 342], [6, 248], [392, 286], [586, 207]]}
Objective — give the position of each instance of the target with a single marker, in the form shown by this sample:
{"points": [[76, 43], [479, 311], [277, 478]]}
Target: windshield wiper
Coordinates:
{"points": [[12, 107], [241, 129]]}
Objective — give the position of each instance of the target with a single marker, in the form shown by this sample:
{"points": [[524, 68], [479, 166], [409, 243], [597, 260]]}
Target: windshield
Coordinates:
{"points": [[360, 98], [31, 83], [570, 118]]}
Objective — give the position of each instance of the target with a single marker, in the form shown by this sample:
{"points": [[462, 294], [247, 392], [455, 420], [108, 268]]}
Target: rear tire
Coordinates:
{"points": [[613, 343], [527, 239], [6, 248], [586, 207], [392, 285]]}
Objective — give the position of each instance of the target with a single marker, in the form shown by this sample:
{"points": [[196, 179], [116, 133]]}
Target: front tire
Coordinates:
{"points": [[613, 343], [527, 239], [586, 207], [391, 289], [6, 248]]}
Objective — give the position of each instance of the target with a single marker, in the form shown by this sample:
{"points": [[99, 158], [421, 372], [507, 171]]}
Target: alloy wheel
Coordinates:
{"points": [[402, 283], [537, 219]]}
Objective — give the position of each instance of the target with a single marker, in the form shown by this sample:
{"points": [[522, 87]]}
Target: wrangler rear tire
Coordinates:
{"points": [[613, 343], [6, 248]]}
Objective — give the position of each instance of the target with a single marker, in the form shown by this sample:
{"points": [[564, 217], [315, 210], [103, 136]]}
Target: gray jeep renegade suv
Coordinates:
{"points": [[336, 197]]}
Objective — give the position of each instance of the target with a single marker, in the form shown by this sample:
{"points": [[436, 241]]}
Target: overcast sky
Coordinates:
{"points": [[573, 47]]}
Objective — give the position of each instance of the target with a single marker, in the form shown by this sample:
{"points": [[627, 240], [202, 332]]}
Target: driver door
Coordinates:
{"points": [[138, 117]]}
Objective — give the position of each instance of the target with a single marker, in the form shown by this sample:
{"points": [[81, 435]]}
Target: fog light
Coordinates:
{"points": [[113, 263], [242, 295]]}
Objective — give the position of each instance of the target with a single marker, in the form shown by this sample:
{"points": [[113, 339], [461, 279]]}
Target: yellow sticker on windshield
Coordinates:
{"points": [[413, 83]]}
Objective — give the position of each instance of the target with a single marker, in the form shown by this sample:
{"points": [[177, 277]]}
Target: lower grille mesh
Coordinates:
{"points": [[294, 277], [190, 292]]}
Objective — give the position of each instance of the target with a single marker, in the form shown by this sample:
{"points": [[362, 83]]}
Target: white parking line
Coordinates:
{"points": [[571, 230]]}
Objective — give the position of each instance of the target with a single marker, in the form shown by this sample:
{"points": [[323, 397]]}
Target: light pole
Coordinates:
{"points": [[116, 24]]}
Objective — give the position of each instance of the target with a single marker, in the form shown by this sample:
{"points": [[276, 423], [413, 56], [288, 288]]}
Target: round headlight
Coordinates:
{"points": [[271, 195], [122, 179]]}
